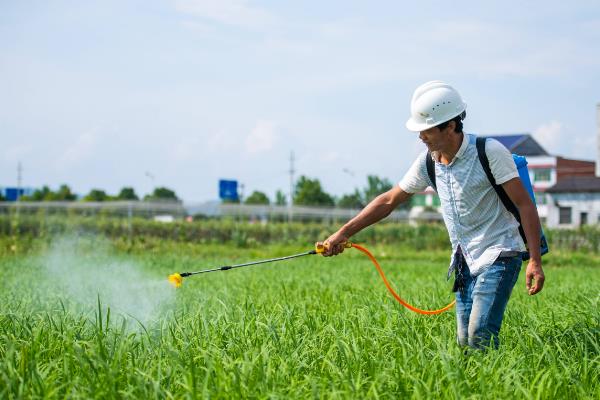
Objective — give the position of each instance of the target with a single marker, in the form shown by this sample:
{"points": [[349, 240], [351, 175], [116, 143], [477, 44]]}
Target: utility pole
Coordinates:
{"points": [[19, 179], [291, 203], [241, 194], [598, 140]]}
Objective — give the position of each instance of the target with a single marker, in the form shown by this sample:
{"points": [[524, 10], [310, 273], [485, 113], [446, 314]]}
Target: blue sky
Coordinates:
{"points": [[106, 94]]}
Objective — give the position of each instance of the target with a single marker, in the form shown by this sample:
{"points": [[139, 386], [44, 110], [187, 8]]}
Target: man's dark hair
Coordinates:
{"points": [[458, 122]]}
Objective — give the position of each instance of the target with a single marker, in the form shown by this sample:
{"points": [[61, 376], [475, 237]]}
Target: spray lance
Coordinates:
{"points": [[176, 279]]}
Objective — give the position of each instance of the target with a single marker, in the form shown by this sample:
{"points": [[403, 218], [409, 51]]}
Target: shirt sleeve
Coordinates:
{"points": [[416, 179], [501, 162]]}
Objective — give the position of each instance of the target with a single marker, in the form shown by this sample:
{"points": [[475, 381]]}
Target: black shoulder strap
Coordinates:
{"points": [[485, 163], [430, 170]]}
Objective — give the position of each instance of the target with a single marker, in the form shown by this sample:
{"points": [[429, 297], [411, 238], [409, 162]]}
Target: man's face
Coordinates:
{"points": [[435, 138]]}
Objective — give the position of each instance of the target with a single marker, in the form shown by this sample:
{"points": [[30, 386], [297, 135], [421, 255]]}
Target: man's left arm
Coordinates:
{"points": [[534, 275]]}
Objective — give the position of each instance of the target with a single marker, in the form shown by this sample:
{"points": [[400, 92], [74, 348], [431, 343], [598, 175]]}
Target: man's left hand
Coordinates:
{"points": [[534, 277]]}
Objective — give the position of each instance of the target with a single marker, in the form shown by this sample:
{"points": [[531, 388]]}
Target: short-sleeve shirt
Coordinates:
{"points": [[476, 219]]}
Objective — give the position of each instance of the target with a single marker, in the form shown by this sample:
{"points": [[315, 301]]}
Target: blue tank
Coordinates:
{"points": [[521, 163]]}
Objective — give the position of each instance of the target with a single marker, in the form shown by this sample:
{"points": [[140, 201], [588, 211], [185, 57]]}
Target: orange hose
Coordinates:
{"points": [[396, 296]]}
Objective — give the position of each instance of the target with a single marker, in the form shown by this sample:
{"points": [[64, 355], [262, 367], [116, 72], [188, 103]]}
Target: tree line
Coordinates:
{"points": [[307, 192], [64, 193]]}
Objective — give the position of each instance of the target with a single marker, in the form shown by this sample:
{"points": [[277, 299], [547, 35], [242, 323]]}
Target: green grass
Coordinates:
{"points": [[305, 328]]}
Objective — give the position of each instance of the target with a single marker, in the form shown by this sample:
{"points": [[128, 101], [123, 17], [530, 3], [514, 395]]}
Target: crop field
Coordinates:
{"points": [[85, 317]]}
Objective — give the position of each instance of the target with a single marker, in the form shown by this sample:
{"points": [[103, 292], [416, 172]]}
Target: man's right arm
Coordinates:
{"points": [[375, 211]]}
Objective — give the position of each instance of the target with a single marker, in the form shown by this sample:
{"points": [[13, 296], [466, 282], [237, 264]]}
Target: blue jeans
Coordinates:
{"points": [[481, 302]]}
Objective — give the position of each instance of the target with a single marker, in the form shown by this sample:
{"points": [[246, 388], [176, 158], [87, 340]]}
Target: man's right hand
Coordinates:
{"points": [[379, 208], [334, 244]]}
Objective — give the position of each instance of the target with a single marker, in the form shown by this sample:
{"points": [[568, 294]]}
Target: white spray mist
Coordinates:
{"points": [[85, 267]]}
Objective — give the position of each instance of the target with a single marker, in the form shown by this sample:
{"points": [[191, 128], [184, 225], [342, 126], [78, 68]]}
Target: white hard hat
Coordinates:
{"points": [[433, 103]]}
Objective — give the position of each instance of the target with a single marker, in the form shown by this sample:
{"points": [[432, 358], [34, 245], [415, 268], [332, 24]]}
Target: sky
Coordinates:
{"points": [[182, 93]]}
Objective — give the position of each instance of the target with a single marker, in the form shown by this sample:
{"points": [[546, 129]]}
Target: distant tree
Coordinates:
{"points": [[309, 192], [280, 198], [127, 193], [161, 194], [354, 200], [375, 186], [96, 195], [39, 195], [257, 198], [2, 198], [64, 193]]}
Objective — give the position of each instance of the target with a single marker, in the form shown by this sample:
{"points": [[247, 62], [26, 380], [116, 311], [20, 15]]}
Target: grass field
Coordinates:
{"points": [[85, 318]]}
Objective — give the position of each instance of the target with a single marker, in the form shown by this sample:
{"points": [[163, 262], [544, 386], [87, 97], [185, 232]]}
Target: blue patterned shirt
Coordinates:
{"points": [[476, 219]]}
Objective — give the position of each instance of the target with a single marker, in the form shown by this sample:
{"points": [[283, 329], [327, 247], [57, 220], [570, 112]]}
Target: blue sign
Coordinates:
{"points": [[13, 193], [228, 190]]}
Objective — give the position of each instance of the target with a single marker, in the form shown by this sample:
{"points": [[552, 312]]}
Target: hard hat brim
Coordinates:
{"points": [[415, 126]]}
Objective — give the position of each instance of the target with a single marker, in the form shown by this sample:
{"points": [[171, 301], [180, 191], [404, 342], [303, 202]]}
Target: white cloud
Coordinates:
{"points": [[550, 134], [82, 148], [221, 141], [262, 138], [228, 12], [365, 54]]}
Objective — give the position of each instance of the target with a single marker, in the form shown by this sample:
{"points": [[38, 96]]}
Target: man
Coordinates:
{"points": [[486, 244]]}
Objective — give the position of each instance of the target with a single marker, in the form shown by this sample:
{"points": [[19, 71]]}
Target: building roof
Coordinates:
{"points": [[521, 143], [509, 141], [576, 184]]}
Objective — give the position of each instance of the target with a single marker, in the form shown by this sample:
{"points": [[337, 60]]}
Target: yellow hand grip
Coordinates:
{"points": [[321, 247]]}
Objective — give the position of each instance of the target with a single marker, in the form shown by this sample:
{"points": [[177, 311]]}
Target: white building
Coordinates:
{"points": [[545, 170], [575, 200]]}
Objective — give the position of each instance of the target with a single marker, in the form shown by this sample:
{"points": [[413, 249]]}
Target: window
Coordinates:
{"points": [[583, 218], [542, 175], [564, 215], [540, 198]]}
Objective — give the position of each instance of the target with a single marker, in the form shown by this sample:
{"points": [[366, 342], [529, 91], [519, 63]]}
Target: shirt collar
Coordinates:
{"points": [[463, 146]]}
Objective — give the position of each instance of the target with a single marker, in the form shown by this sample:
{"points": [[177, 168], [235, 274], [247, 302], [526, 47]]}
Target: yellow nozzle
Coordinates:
{"points": [[321, 247], [175, 279]]}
